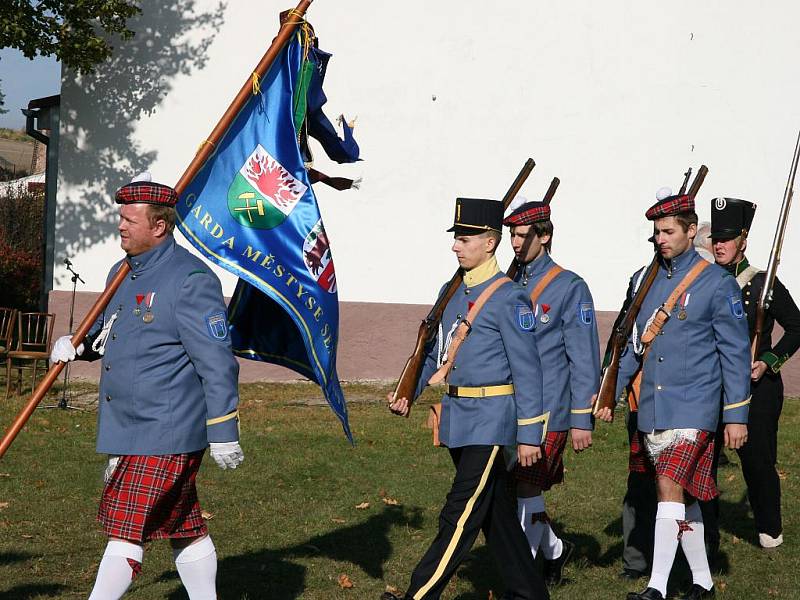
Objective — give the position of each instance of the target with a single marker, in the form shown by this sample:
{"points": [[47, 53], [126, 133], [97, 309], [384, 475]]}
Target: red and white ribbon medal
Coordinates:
{"points": [[148, 311], [684, 303]]}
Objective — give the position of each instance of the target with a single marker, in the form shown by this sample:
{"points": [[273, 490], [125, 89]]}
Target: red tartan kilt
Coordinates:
{"points": [[687, 463], [548, 470], [153, 497]]}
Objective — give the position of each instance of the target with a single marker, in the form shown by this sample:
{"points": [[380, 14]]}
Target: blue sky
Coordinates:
{"points": [[23, 80]]}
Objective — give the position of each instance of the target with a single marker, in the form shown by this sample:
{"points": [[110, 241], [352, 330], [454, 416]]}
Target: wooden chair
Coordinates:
{"points": [[34, 335], [7, 316]]}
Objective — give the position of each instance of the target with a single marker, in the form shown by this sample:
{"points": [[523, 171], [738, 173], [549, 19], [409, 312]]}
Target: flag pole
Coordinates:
{"points": [[293, 19]]}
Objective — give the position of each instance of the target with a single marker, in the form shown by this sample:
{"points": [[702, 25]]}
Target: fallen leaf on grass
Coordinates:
{"points": [[391, 501], [3, 505], [773, 592], [735, 539], [730, 477], [345, 582], [5, 474], [26, 536], [337, 520], [721, 585], [207, 515], [362, 506], [782, 475], [392, 590]]}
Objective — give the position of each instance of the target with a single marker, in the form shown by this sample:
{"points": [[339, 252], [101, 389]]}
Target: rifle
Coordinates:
{"points": [[551, 191], [765, 299], [409, 378], [606, 396]]}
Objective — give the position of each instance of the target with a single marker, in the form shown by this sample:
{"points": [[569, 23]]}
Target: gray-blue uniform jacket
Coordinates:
{"points": [[569, 347], [695, 359], [501, 349], [169, 386]]}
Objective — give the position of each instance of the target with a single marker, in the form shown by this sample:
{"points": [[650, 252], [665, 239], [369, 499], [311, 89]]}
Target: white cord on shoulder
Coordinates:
{"points": [[441, 356], [99, 344]]}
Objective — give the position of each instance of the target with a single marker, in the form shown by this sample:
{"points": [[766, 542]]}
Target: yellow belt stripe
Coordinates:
{"points": [[533, 420], [581, 411], [218, 420], [451, 547], [481, 392], [738, 404]]}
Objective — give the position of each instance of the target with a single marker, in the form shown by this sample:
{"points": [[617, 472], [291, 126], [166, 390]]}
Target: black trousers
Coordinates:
{"points": [[639, 512], [760, 454], [478, 500]]}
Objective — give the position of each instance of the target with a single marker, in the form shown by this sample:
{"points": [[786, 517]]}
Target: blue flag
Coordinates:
{"points": [[251, 210]]}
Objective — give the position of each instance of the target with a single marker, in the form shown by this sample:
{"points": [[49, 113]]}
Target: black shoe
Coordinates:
{"points": [[553, 569], [696, 592], [631, 574], [389, 596], [647, 594]]}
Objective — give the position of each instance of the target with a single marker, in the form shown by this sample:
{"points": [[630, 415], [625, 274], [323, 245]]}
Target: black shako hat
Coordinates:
{"points": [[477, 215], [731, 217]]}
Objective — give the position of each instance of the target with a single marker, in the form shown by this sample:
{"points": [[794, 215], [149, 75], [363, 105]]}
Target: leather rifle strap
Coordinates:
{"points": [[662, 316], [551, 274], [663, 313], [464, 328]]}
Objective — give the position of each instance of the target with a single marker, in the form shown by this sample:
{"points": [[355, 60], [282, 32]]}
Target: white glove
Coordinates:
{"points": [[110, 467], [64, 351], [228, 455]]}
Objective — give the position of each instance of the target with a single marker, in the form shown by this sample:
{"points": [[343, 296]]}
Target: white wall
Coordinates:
{"points": [[615, 98]]}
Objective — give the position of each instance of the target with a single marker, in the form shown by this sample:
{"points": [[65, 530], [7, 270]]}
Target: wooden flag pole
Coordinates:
{"points": [[288, 27]]}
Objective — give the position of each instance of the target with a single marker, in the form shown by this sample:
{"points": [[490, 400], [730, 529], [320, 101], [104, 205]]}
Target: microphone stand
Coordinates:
{"points": [[63, 404]]}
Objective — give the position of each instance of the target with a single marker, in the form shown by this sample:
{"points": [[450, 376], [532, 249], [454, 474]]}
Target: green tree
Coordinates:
{"points": [[76, 32]]}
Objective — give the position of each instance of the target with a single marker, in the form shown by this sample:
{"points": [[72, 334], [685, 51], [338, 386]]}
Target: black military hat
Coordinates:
{"points": [[476, 215], [731, 217]]}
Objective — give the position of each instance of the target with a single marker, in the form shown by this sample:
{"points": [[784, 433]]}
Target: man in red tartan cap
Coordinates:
{"points": [[168, 389], [688, 349], [569, 348]]}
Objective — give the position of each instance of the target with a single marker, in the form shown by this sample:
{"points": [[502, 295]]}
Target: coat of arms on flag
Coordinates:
{"points": [[317, 256], [263, 192]]}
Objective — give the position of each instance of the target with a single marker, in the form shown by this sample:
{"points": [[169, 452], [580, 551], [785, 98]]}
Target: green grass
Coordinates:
{"points": [[286, 524]]}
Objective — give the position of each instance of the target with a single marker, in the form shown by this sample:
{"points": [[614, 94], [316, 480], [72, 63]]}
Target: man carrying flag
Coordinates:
{"points": [[168, 389], [251, 210]]}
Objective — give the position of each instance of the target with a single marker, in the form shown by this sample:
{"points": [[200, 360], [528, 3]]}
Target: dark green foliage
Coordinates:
{"points": [[75, 32]]}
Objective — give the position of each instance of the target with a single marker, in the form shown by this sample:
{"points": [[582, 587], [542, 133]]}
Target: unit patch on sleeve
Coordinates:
{"points": [[735, 302], [525, 317], [586, 313], [217, 325]]}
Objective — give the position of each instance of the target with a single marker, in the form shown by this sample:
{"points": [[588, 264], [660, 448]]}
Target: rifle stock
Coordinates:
{"points": [[765, 298], [409, 378], [606, 395]]}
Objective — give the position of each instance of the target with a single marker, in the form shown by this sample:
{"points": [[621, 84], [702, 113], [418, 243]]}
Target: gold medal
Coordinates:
{"points": [[148, 317], [682, 315]]}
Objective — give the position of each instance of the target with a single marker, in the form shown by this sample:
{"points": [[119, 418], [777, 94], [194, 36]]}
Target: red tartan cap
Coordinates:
{"points": [[147, 192], [669, 207], [528, 213]]}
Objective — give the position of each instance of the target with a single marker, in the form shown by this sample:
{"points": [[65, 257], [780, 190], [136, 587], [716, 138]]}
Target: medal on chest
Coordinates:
{"points": [[684, 302], [544, 318], [137, 311], [148, 311]]}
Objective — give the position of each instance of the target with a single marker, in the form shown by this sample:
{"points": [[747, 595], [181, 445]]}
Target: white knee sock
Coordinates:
{"points": [[551, 545], [666, 543], [115, 573], [526, 508], [694, 547], [197, 566]]}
